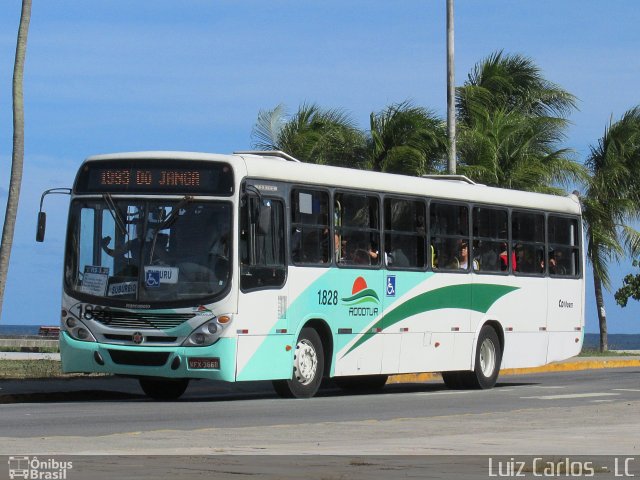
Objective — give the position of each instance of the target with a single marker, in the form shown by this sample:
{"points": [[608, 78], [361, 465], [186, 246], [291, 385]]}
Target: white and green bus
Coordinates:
{"points": [[255, 266]]}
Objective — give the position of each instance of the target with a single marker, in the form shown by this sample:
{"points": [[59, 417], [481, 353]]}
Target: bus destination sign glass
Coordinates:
{"points": [[161, 177]]}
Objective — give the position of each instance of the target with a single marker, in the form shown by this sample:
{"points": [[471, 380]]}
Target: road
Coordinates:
{"points": [[584, 412]]}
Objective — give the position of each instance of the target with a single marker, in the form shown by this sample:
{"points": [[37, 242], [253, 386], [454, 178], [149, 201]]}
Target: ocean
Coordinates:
{"points": [[617, 341]]}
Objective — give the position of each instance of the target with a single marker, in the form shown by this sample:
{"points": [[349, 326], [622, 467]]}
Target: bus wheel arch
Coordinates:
{"points": [[487, 357], [309, 364], [326, 337]]}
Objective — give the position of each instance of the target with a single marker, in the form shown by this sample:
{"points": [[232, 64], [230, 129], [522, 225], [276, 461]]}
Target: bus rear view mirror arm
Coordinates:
{"points": [[42, 216]]}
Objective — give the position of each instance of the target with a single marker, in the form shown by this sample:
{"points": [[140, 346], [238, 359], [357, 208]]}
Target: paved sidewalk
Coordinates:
{"points": [[29, 356]]}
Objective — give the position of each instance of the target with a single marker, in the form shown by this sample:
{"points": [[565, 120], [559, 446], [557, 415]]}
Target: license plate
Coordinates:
{"points": [[204, 363]]}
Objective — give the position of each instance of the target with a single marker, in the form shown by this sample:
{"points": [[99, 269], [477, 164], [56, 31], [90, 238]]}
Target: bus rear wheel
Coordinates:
{"points": [[164, 388], [487, 364], [488, 359], [308, 367]]}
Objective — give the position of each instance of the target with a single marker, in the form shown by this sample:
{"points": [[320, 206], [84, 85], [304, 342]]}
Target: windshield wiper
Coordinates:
{"points": [[115, 213], [168, 221]]}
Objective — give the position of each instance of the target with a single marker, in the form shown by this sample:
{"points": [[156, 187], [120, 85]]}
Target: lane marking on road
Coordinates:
{"points": [[574, 395], [601, 401], [626, 389], [455, 392]]}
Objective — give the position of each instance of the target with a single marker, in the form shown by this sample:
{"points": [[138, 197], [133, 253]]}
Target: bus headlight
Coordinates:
{"points": [[208, 333], [78, 330]]}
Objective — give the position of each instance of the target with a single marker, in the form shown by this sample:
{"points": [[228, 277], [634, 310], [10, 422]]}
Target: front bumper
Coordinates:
{"points": [[169, 362]]}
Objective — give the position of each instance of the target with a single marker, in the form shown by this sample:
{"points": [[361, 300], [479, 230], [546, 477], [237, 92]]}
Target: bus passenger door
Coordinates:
{"points": [[261, 325]]}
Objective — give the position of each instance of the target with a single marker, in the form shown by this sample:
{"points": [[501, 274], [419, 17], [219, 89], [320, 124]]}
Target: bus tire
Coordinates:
{"points": [[488, 359], [361, 383], [454, 380], [308, 367], [164, 388]]}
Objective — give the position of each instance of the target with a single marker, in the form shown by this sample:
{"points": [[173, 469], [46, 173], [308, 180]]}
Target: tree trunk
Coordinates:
{"points": [[602, 314], [17, 159]]}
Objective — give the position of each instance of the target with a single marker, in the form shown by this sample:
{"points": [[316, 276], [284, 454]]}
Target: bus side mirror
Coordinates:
{"points": [[42, 225]]}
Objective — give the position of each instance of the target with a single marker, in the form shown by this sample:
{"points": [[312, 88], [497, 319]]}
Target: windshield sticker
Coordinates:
{"points": [[124, 288], [155, 276], [94, 280]]}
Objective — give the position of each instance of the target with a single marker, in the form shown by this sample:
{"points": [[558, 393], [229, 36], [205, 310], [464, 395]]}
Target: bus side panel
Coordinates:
{"points": [[522, 314], [367, 360], [422, 317], [566, 318], [525, 349], [265, 357], [262, 327]]}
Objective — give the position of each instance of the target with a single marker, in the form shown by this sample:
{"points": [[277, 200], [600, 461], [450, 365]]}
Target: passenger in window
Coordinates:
{"points": [[359, 255], [461, 261], [504, 258], [420, 225], [324, 245], [488, 258], [340, 247], [395, 257], [374, 254], [556, 263]]}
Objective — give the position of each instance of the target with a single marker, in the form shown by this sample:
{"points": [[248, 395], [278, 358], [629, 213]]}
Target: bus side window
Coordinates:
{"points": [[449, 228], [563, 256], [528, 237], [310, 227], [405, 233], [262, 253], [490, 226], [357, 229]]}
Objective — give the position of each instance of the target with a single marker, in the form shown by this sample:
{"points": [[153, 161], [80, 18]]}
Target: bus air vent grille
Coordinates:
{"points": [[160, 321], [143, 359]]}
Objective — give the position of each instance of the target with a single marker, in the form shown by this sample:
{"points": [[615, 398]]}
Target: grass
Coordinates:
{"points": [[594, 352], [13, 369], [31, 349]]}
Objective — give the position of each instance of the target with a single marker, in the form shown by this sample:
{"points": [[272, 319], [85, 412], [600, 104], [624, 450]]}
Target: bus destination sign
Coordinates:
{"points": [[157, 176], [150, 178]]}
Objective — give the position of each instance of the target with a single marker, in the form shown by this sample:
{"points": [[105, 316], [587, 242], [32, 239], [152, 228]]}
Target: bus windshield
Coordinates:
{"points": [[157, 252]]}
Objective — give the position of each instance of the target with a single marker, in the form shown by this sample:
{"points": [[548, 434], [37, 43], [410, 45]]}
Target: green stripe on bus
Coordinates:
{"points": [[453, 296]]}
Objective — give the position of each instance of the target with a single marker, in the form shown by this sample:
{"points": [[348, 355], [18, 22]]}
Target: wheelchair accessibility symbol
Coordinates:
{"points": [[152, 278], [391, 285]]}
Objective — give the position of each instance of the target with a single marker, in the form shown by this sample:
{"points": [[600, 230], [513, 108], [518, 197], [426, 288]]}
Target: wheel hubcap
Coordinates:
{"points": [[305, 363], [487, 357]]}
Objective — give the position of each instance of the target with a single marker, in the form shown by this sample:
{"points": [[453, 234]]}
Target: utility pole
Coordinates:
{"points": [[451, 92]]}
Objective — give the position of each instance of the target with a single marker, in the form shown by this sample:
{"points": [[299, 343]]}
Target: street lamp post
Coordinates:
{"points": [[451, 98]]}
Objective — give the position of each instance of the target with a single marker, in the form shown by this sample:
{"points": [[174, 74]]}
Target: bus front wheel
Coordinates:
{"points": [[308, 367], [164, 388]]}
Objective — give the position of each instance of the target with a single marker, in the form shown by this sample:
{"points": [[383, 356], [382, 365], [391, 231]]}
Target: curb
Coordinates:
{"points": [[586, 364]]}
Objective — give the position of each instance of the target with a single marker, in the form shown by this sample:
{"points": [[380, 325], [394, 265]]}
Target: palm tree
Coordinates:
{"points": [[512, 122], [406, 139], [402, 139], [312, 134], [611, 203], [511, 150], [17, 160], [512, 82]]}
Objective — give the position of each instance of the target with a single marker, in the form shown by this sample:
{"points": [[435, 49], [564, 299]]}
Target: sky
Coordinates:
{"points": [[114, 75]]}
